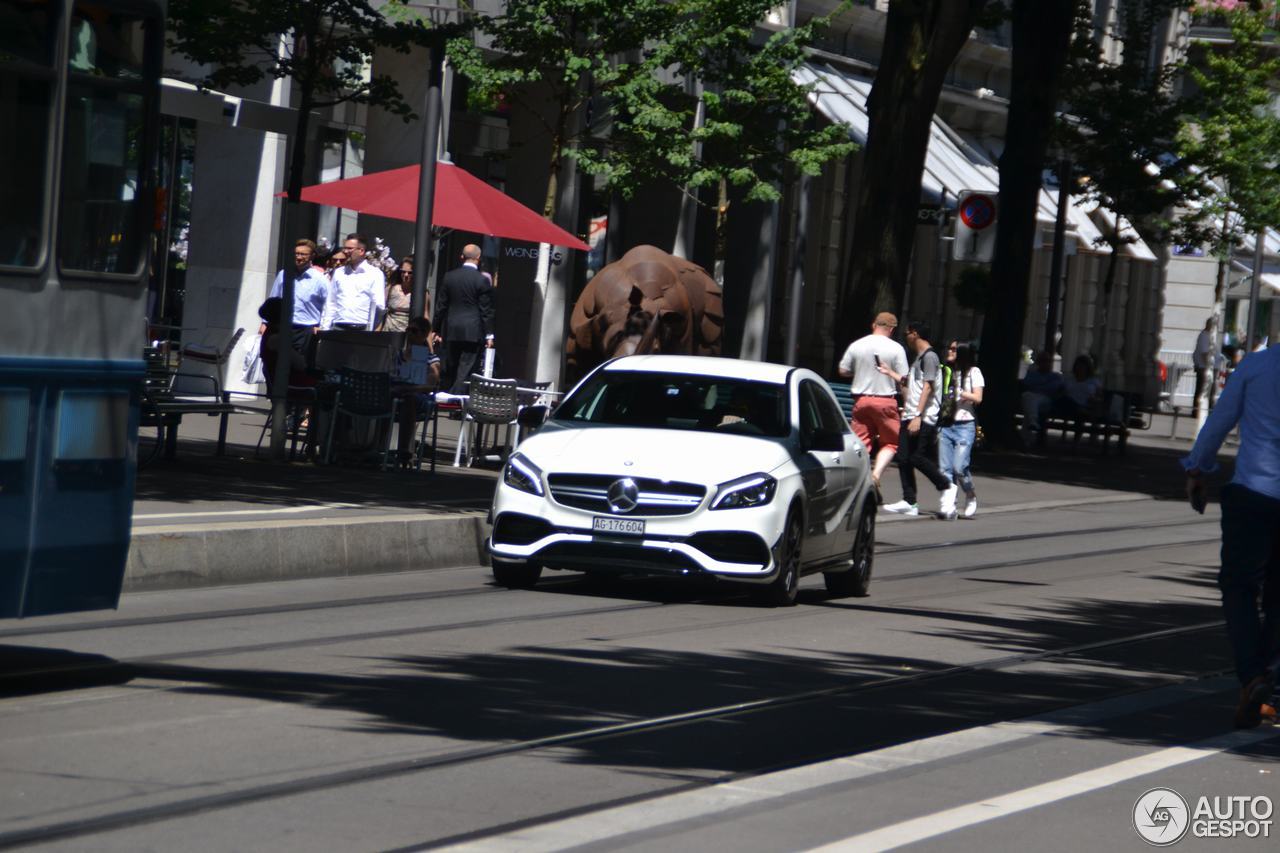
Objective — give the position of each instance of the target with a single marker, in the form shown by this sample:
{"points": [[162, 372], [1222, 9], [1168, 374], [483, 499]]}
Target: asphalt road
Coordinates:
{"points": [[1011, 689]]}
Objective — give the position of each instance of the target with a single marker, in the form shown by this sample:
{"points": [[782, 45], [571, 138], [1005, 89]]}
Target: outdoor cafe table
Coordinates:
{"points": [[460, 400]]}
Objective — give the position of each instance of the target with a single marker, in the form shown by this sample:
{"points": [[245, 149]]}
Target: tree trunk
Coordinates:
{"points": [[549, 309], [1104, 301], [288, 221], [922, 38], [1041, 35]]}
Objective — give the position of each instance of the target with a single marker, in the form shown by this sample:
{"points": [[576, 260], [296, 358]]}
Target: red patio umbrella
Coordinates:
{"points": [[462, 201]]}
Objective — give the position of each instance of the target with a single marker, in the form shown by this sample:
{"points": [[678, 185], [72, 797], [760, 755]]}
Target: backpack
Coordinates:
{"points": [[949, 396]]}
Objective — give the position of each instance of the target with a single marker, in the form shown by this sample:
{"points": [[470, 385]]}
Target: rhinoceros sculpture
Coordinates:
{"points": [[647, 301]]}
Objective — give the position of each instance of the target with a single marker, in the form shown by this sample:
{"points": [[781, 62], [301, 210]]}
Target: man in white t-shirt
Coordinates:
{"points": [[920, 425], [1204, 360], [358, 292], [875, 394]]}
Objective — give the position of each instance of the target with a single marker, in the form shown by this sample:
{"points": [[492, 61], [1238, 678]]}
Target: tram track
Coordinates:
{"points": [[252, 794], [17, 681], [10, 681], [553, 582]]}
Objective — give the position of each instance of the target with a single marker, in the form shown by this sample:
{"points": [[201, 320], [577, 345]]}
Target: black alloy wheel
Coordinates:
{"points": [[781, 592], [856, 580]]}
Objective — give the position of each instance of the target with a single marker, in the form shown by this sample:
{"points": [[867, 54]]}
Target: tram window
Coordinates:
{"points": [[26, 31], [24, 102], [15, 409], [92, 425], [106, 43], [99, 228]]}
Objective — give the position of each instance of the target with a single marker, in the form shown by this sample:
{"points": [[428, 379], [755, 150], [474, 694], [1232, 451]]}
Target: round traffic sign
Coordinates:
{"points": [[977, 211]]}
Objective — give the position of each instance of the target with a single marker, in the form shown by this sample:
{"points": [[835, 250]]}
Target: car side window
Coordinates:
{"points": [[810, 413], [832, 418]]}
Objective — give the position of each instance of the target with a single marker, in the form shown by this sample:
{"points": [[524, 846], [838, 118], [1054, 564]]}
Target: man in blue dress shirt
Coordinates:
{"points": [[1250, 524], [310, 290]]}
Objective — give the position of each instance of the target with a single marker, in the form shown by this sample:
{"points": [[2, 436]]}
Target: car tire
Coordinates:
{"points": [[857, 579], [516, 574], [781, 591]]}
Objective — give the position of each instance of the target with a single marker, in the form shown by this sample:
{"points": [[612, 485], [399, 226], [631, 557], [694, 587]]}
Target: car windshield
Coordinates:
{"points": [[679, 401]]}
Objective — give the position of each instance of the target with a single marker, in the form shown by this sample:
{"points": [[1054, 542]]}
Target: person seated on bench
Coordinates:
{"points": [[1040, 388], [1081, 393], [416, 378]]}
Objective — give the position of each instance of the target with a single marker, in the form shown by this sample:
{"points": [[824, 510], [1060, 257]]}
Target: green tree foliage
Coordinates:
{"points": [[327, 47], [631, 59], [1233, 136], [1122, 121], [1119, 130]]}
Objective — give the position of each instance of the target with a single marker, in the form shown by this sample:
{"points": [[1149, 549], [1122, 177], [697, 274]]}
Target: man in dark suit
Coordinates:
{"points": [[464, 319]]}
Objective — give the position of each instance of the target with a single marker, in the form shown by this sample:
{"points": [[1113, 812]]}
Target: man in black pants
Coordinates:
{"points": [[464, 319], [918, 438]]}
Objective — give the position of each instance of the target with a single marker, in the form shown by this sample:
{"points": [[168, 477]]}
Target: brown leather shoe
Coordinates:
{"points": [[1252, 697]]}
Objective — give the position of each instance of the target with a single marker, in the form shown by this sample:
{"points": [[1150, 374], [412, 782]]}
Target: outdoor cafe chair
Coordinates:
{"points": [[489, 401], [359, 394]]}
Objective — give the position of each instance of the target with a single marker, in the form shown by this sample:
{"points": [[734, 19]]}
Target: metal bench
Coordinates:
{"points": [[162, 407]]}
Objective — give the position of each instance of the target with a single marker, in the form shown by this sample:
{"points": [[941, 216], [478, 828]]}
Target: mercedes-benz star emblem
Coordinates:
{"points": [[623, 495]]}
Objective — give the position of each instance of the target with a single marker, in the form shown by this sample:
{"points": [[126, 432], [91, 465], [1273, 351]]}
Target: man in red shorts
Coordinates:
{"points": [[875, 395]]}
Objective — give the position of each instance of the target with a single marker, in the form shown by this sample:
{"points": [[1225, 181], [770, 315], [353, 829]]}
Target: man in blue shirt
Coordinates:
{"points": [[310, 290], [1250, 523]]}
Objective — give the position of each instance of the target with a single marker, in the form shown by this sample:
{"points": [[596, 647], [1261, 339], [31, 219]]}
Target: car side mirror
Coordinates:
{"points": [[532, 417], [826, 440]]}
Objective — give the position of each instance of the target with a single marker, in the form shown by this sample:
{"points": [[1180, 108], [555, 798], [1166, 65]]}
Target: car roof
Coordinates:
{"points": [[694, 365]]}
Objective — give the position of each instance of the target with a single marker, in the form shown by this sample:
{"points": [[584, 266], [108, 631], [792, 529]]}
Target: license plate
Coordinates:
{"points": [[625, 526]]}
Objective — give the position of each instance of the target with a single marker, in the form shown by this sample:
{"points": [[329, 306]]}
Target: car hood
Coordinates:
{"points": [[699, 457]]}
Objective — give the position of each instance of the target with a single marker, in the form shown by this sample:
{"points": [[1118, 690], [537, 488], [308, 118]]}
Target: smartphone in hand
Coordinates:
{"points": [[1198, 501], [877, 358]]}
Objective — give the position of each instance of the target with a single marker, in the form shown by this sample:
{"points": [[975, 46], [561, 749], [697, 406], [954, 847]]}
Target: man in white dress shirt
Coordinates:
{"points": [[358, 292]]}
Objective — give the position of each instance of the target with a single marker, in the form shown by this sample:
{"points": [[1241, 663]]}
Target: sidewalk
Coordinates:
{"points": [[203, 520]]}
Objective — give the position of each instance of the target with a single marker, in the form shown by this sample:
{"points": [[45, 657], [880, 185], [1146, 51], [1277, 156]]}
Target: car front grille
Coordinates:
{"points": [[657, 497]]}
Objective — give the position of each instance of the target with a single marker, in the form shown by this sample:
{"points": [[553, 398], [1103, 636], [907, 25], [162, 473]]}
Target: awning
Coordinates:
{"points": [[954, 162]]}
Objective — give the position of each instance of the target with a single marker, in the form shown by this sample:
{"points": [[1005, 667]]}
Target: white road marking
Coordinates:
{"points": [[960, 817], [675, 808]]}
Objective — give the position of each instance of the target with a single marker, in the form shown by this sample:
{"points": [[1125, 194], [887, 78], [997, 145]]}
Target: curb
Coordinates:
{"points": [[180, 557], [177, 558]]}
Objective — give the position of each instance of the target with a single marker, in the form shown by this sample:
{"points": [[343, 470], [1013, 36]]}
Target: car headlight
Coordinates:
{"points": [[752, 490], [523, 475]]}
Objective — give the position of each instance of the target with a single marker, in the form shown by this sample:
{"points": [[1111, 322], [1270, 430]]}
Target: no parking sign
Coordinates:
{"points": [[975, 226]]}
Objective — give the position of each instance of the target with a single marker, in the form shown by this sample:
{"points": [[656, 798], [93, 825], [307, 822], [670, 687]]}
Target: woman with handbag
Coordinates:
{"points": [[956, 439]]}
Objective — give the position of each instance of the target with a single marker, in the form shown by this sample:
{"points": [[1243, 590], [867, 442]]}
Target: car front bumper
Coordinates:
{"points": [[735, 544]]}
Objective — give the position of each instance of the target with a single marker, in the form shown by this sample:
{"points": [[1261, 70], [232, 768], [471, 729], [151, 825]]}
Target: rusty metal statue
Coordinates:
{"points": [[645, 302]]}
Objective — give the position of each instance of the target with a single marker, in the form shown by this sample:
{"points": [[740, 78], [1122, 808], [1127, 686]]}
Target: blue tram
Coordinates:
{"points": [[79, 98]]}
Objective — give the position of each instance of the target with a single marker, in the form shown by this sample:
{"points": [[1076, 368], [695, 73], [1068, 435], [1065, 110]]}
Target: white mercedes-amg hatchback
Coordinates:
{"points": [[686, 466]]}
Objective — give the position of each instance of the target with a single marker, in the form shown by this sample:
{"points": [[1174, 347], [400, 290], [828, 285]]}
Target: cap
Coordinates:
{"points": [[884, 318]]}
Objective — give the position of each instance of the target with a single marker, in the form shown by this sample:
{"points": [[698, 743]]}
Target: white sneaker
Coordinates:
{"points": [[947, 501], [902, 508], [972, 508]]}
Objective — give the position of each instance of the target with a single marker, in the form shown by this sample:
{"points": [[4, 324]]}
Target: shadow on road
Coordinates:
{"points": [[538, 691]]}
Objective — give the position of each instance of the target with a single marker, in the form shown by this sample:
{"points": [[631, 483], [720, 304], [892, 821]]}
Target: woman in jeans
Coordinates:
{"points": [[955, 442]]}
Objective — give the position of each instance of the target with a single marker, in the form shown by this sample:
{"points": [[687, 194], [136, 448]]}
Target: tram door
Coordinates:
{"points": [[82, 81]]}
